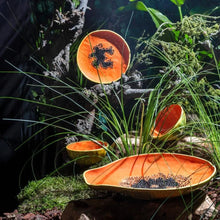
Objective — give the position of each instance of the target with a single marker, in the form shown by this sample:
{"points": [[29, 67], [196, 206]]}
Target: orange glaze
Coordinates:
{"points": [[120, 57]]}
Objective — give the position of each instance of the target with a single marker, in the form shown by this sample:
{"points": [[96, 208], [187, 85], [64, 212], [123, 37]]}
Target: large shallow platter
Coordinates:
{"points": [[196, 172]]}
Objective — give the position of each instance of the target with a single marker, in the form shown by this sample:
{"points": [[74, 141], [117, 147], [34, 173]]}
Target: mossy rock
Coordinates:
{"points": [[51, 192]]}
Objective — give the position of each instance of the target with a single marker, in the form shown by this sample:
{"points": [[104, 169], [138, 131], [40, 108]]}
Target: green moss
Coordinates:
{"points": [[51, 192]]}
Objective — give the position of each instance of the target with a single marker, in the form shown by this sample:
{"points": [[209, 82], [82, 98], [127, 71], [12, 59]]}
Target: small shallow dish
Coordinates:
{"points": [[87, 152], [195, 173], [169, 123], [103, 56]]}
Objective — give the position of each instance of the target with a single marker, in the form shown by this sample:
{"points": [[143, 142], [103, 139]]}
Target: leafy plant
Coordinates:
{"points": [[157, 17], [179, 3], [194, 90]]}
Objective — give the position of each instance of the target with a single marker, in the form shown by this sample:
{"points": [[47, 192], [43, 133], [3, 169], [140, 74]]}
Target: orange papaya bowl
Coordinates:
{"points": [[103, 56], [189, 172], [87, 152], [169, 123]]}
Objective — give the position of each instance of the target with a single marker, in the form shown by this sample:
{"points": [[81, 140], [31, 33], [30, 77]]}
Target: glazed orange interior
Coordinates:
{"points": [[196, 169], [167, 119], [113, 53], [85, 146]]}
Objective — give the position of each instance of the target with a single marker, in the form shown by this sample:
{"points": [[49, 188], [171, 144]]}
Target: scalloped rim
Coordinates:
{"points": [[182, 120], [194, 186], [84, 151], [129, 59]]}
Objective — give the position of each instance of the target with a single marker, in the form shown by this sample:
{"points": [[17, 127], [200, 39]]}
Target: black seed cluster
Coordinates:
{"points": [[158, 183], [100, 58], [141, 184]]}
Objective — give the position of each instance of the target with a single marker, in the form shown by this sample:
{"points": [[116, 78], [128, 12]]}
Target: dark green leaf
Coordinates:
{"points": [[207, 53], [141, 6], [178, 2], [176, 34], [188, 38], [158, 17]]}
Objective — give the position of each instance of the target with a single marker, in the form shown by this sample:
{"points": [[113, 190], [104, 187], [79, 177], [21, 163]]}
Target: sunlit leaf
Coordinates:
{"points": [[141, 6], [158, 17], [178, 2], [206, 53]]}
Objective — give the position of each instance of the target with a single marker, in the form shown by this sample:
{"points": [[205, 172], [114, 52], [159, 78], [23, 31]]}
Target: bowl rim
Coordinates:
{"points": [[99, 149], [182, 119], [111, 32], [197, 185]]}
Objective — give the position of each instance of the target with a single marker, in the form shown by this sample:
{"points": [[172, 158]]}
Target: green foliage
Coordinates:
{"points": [[187, 47], [190, 70], [157, 17], [50, 192], [76, 2], [182, 56], [182, 62], [178, 2], [211, 95], [78, 78]]}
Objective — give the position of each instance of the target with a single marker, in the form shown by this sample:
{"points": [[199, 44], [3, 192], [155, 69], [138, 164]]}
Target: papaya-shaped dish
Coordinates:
{"points": [[103, 56], [169, 123], [87, 152], [152, 176]]}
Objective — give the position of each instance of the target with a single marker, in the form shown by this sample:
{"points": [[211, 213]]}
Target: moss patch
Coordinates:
{"points": [[50, 192]]}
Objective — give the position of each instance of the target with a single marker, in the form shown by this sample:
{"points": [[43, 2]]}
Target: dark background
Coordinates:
{"points": [[15, 40]]}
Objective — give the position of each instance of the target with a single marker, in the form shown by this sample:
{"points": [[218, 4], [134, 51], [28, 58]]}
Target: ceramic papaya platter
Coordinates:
{"points": [[152, 176], [103, 56]]}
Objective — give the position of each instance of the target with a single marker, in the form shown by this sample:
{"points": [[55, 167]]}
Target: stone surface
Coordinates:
{"points": [[121, 208], [207, 209]]}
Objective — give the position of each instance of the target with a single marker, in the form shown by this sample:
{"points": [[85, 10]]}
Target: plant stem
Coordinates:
{"points": [[180, 12]]}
